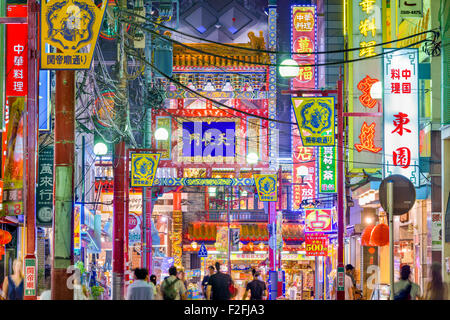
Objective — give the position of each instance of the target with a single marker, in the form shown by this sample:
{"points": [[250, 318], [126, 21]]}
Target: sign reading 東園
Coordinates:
{"points": [[267, 186], [401, 113], [143, 169], [315, 120], [72, 26]]}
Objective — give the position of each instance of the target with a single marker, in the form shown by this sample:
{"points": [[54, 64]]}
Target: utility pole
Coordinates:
{"points": [[63, 189], [119, 172], [30, 146]]}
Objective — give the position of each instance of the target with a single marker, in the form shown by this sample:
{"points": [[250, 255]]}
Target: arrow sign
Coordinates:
{"points": [[202, 253]]}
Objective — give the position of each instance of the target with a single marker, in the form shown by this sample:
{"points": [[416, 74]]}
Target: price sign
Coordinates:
{"points": [[316, 244]]}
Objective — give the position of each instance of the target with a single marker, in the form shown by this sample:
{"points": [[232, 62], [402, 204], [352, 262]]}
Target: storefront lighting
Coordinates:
{"points": [[260, 252], [369, 220], [100, 149], [212, 191], [376, 91], [161, 134], [163, 218], [194, 245], [252, 158], [289, 68]]}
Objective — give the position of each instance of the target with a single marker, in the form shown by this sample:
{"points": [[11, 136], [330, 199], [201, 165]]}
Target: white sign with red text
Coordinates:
{"points": [[401, 113]]}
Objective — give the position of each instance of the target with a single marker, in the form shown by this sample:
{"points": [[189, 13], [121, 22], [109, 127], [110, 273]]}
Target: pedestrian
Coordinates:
{"points": [[206, 279], [140, 289], [436, 289], [156, 291], [219, 285], [182, 276], [404, 289], [173, 288], [350, 271], [13, 284], [257, 288], [348, 284], [47, 293]]}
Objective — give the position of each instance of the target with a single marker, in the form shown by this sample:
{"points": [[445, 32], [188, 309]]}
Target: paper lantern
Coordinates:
{"points": [[2, 250], [380, 235], [5, 237], [365, 237]]}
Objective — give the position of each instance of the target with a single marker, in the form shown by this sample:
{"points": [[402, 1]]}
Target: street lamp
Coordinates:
{"points": [[289, 68], [302, 172], [252, 158], [161, 134], [100, 149]]}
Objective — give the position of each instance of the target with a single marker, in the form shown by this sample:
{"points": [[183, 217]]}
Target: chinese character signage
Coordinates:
{"points": [[303, 40], [315, 120], [222, 239], [72, 26], [327, 170], [30, 277], [318, 220], [16, 54], [14, 160], [143, 169], [316, 244], [365, 133], [44, 187], [267, 186], [208, 140], [77, 227], [401, 114]]}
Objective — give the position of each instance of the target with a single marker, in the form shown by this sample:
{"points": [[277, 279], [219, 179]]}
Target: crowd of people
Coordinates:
{"points": [[217, 285]]}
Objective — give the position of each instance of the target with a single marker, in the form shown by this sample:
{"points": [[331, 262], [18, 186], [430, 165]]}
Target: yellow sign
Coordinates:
{"points": [[267, 187], [143, 169], [315, 120], [72, 27]]}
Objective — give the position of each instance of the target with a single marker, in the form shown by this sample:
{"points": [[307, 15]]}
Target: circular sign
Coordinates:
{"points": [[132, 221], [404, 194], [45, 214]]}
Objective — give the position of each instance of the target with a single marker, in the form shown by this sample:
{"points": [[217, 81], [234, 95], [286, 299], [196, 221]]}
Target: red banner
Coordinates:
{"points": [[316, 244], [16, 53], [303, 39]]}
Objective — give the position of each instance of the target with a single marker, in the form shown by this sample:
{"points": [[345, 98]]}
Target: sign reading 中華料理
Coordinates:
{"points": [[315, 120], [267, 186], [72, 26], [143, 169]]}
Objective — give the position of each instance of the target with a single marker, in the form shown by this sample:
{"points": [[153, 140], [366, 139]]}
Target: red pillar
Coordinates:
{"points": [[118, 221], [31, 141], [341, 179], [272, 220], [64, 172], [126, 221]]}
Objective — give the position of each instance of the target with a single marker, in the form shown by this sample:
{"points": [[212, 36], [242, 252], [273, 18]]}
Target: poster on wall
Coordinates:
{"points": [[436, 231], [316, 244]]}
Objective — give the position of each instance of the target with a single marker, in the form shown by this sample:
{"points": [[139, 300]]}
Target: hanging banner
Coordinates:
{"points": [[318, 220], [267, 186], [77, 227], [234, 238], [44, 187], [143, 169], [177, 237], [401, 113], [30, 278], [222, 239], [315, 120], [304, 39], [365, 133], [316, 244], [279, 230], [14, 163], [327, 170], [72, 26], [304, 171]]}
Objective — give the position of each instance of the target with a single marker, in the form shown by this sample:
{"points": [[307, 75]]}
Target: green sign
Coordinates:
{"points": [[30, 277], [44, 189], [327, 170], [340, 279]]}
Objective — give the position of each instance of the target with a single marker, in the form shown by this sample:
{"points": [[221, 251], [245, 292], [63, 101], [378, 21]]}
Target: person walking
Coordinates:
{"points": [[140, 289], [219, 285], [157, 290], [13, 284], [436, 289], [404, 289], [206, 280], [173, 288], [256, 287]]}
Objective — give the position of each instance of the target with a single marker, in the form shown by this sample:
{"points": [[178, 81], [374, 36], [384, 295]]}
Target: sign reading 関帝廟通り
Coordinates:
{"points": [[143, 169], [315, 120], [72, 26], [267, 186]]}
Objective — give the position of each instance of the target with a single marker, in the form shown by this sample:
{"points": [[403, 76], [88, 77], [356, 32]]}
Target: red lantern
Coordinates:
{"points": [[365, 237], [5, 237], [380, 235]]}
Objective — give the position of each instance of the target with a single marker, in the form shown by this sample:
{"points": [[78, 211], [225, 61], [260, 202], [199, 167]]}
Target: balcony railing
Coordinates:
{"points": [[248, 216]]}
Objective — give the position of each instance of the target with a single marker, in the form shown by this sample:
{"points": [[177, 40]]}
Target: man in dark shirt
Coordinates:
{"points": [[219, 285], [256, 287], [206, 280]]}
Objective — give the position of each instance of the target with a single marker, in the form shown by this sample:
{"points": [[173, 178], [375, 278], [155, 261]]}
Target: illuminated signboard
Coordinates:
{"points": [[327, 170], [143, 169], [401, 113], [318, 220], [267, 186], [304, 39], [77, 227], [365, 133], [316, 244], [304, 175]]}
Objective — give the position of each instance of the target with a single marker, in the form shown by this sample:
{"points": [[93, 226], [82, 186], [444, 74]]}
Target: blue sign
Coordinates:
{"points": [[203, 253], [44, 100]]}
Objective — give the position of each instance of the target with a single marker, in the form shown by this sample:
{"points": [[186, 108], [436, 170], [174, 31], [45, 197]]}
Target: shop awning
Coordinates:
{"points": [[201, 231]]}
